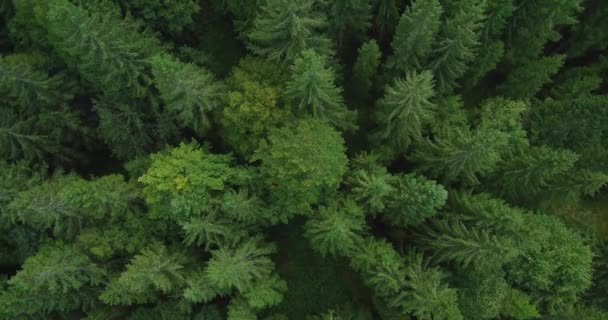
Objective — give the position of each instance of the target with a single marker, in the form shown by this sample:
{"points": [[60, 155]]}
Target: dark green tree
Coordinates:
{"points": [[312, 91], [414, 37], [414, 200], [527, 79], [336, 229], [284, 29], [366, 66], [57, 278], [156, 269], [349, 19], [406, 109], [171, 17], [460, 154], [189, 93], [456, 45], [108, 52]]}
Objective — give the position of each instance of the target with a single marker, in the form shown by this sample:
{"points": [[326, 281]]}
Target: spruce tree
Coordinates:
{"points": [[284, 29], [349, 18], [456, 46], [189, 92], [366, 67], [155, 269], [108, 52], [31, 89], [336, 229], [414, 37], [406, 109], [526, 80], [460, 154], [312, 91]]}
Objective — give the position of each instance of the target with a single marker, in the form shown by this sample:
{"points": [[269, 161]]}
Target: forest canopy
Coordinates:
{"points": [[303, 159]]}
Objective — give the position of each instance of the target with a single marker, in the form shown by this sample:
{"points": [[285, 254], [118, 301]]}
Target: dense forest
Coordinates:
{"points": [[304, 159]]}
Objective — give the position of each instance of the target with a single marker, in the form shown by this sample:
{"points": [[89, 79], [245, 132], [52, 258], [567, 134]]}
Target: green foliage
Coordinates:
{"points": [[455, 46], [534, 23], [414, 200], [284, 29], [366, 66], [405, 110], [370, 183], [415, 35], [57, 278], [170, 17], [518, 305], [312, 91], [454, 241], [300, 162], [252, 110], [526, 174], [212, 231], [182, 181], [22, 84], [361, 159], [108, 52], [336, 229], [240, 268], [349, 18], [557, 280], [527, 79], [579, 121], [66, 204], [154, 269], [189, 92], [460, 154]]}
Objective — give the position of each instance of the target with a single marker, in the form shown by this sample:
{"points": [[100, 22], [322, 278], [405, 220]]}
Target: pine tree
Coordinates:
{"points": [[171, 17], [66, 204], [124, 127], [425, 295], [349, 19], [483, 293], [284, 29], [336, 229], [108, 52], [370, 183], [57, 278], [212, 231], [387, 16], [405, 110], [190, 93], [526, 174], [555, 279], [312, 91], [491, 48], [456, 46], [580, 122], [300, 162], [534, 23], [525, 81], [414, 200], [31, 89], [155, 269], [460, 154], [468, 247], [366, 67], [414, 37], [239, 268]]}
